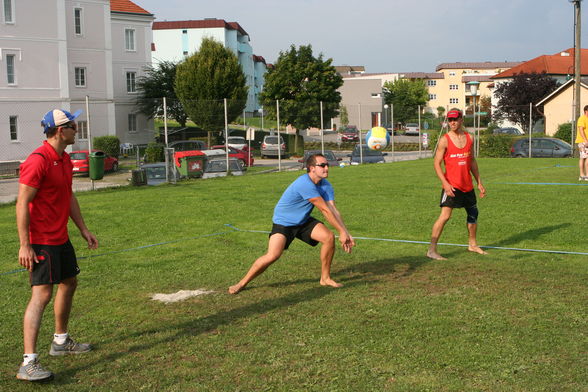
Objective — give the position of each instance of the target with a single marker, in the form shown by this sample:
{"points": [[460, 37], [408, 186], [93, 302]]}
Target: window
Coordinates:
{"points": [[8, 11], [10, 72], [454, 87], [132, 122], [13, 120], [82, 130], [432, 97], [131, 86], [130, 39], [80, 77], [78, 21], [185, 52], [453, 100], [431, 83], [451, 73]]}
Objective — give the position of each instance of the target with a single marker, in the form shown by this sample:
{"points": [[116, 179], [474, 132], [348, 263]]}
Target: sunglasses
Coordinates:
{"points": [[323, 165], [71, 126]]}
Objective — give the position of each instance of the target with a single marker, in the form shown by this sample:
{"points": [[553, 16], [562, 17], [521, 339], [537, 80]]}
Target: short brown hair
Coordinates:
{"points": [[311, 161]]}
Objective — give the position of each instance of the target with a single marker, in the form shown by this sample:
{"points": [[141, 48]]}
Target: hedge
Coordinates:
{"points": [[109, 144]]}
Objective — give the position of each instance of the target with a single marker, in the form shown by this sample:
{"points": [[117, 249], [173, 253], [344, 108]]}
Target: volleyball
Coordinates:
{"points": [[377, 138]]}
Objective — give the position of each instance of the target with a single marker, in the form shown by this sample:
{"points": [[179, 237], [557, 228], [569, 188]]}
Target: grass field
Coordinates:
{"points": [[508, 321]]}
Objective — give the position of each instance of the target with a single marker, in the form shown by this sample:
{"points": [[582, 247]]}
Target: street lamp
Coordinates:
{"points": [[391, 106], [260, 110], [474, 90]]}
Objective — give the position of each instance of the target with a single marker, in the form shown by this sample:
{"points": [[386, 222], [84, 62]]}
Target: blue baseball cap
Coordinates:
{"points": [[57, 117]]}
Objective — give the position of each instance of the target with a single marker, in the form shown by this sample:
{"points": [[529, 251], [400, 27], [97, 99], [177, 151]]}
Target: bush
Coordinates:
{"points": [[154, 153], [495, 146], [110, 144], [564, 132]]}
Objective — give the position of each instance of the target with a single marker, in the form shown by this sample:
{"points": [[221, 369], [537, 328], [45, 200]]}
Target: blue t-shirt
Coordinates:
{"points": [[293, 208]]}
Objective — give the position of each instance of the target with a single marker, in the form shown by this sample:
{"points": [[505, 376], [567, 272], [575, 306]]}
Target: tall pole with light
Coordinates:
{"points": [[474, 91]]}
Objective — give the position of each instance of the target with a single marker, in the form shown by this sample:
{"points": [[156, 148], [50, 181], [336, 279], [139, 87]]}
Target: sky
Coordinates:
{"points": [[393, 35]]}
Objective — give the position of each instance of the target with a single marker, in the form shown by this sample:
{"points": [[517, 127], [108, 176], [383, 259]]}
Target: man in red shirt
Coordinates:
{"points": [[44, 205], [455, 151]]}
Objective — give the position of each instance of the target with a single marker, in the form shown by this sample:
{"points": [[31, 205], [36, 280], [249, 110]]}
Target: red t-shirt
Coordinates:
{"points": [[51, 175], [458, 163]]}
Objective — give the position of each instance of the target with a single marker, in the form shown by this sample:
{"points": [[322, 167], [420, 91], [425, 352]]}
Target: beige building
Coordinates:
{"points": [[558, 106]]}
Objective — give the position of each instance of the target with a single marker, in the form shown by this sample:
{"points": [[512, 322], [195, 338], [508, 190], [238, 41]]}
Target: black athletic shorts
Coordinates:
{"points": [[56, 263], [302, 232], [461, 199]]}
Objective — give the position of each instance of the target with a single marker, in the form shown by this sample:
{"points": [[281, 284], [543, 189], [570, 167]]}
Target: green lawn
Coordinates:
{"points": [[508, 321]]}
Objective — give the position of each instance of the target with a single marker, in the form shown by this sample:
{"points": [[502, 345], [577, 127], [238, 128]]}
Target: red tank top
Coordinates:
{"points": [[458, 162]]}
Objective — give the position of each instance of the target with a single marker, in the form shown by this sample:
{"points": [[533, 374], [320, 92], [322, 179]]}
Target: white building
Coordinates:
{"points": [[62, 52], [175, 40]]}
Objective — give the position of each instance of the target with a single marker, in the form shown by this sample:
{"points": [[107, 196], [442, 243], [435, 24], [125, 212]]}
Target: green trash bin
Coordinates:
{"points": [[192, 166], [97, 165]]}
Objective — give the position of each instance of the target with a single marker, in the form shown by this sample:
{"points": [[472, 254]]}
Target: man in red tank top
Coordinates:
{"points": [[455, 151]]}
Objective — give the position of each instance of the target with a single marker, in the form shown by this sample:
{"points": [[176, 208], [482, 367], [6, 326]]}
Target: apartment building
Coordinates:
{"points": [[62, 52], [175, 40]]}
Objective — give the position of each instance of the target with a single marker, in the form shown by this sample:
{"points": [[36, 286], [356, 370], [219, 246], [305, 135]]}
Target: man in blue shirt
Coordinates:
{"points": [[292, 220]]}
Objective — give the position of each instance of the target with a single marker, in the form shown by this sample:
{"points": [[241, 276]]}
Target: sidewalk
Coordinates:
{"points": [[9, 187]]}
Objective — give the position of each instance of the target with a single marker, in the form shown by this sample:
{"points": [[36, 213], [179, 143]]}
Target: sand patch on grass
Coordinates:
{"points": [[179, 296]]}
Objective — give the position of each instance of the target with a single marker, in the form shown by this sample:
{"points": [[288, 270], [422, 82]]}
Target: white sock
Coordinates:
{"points": [[60, 338], [29, 358]]}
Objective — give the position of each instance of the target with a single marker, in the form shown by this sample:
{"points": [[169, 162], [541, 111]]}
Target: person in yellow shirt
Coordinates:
{"points": [[582, 140]]}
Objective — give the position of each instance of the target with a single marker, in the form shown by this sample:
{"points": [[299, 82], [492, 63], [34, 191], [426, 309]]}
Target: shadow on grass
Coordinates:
{"points": [[529, 235], [364, 273]]}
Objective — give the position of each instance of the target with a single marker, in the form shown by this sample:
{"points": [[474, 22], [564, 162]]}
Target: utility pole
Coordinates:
{"points": [[577, 62]]}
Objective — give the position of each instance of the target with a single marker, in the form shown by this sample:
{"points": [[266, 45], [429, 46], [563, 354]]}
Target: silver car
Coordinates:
{"points": [[270, 146], [411, 129]]}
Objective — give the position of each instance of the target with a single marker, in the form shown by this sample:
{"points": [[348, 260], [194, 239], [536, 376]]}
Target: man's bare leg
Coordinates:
{"points": [[437, 230], [40, 297], [472, 242], [63, 303], [326, 237], [276, 245]]}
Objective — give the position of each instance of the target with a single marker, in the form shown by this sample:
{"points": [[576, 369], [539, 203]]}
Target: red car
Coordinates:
{"points": [[243, 156], [81, 164], [349, 134]]}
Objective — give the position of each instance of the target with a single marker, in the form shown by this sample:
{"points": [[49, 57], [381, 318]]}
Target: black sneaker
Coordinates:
{"points": [[33, 371], [69, 347]]}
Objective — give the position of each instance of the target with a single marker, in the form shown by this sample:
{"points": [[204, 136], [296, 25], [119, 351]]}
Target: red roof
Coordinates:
{"points": [[258, 59], [478, 65], [557, 64], [198, 24], [127, 6]]}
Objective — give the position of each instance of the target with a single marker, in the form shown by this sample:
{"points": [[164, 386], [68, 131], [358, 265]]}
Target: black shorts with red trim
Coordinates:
{"points": [[302, 232], [56, 263], [460, 200]]}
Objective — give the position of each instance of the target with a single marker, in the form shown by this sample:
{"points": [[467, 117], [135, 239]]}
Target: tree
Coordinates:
{"points": [[440, 111], [406, 95], [300, 82], [344, 116], [153, 86], [515, 96], [204, 79]]}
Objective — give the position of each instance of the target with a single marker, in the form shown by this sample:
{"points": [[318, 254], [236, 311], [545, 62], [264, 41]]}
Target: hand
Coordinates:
{"points": [[27, 256], [91, 239], [347, 242], [482, 190], [449, 189]]}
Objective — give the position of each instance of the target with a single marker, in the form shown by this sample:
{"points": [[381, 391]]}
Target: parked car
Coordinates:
{"points": [[187, 145], [508, 131], [245, 157], [237, 142], [541, 147], [331, 158], [349, 134], [155, 173], [81, 162], [369, 156], [217, 167], [270, 145], [411, 129]]}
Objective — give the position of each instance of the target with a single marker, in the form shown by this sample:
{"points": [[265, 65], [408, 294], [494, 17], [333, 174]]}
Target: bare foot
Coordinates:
{"points": [[435, 255], [235, 289], [477, 249], [330, 282]]}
